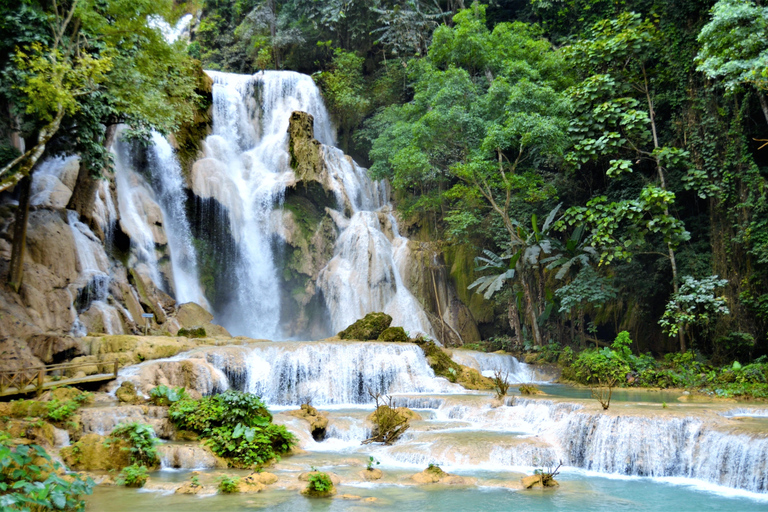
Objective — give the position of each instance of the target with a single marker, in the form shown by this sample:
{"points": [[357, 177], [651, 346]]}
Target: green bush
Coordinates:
{"points": [[163, 395], [133, 476], [142, 441], [25, 484], [229, 484], [319, 483], [235, 425], [63, 410]]}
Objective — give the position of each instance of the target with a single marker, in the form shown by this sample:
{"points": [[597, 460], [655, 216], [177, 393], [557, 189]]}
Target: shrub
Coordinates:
{"points": [[26, 484], [229, 484], [500, 384], [163, 395], [61, 410], [319, 483], [236, 425], [133, 476], [142, 441]]}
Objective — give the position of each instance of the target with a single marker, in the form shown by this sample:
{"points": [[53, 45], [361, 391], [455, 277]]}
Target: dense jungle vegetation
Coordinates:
{"points": [[604, 159]]}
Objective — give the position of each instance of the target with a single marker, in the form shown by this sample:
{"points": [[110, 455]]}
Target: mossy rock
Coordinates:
{"points": [[530, 389], [192, 332], [93, 453], [440, 362], [367, 328], [393, 334], [127, 393]]}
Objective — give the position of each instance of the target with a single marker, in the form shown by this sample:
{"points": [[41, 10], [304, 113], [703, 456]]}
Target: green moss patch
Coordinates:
{"points": [[367, 328]]}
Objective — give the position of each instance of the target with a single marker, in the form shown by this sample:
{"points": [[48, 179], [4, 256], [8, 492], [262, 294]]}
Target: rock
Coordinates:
{"points": [[351, 497], [388, 424], [91, 453], [367, 328], [50, 243], [190, 456], [65, 394], [35, 432], [318, 421], [102, 420], [393, 334], [304, 477], [52, 348], [532, 481], [266, 478], [530, 389], [190, 315], [190, 488], [251, 484], [15, 354], [306, 157], [49, 192], [126, 393], [433, 475], [370, 475]]}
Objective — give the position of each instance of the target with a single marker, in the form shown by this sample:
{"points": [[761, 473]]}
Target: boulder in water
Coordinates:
{"points": [[529, 482], [318, 421], [91, 453], [434, 474], [367, 328], [393, 334], [127, 393], [372, 474]]}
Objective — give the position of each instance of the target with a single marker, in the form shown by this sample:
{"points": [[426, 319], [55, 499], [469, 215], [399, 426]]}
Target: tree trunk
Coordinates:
{"points": [[763, 104], [531, 310], [16, 272], [84, 195], [514, 320], [660, 170]]}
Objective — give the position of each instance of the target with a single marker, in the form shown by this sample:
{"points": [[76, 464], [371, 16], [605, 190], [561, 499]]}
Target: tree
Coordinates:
{"points": [[96, 64], [587, 290], [695, 304], [617, 57], [735, 47]]}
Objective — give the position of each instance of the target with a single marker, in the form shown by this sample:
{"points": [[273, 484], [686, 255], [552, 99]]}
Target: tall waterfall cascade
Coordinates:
{"points": [[246, 170]]}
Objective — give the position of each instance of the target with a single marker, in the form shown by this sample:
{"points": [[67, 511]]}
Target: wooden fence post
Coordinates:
{"points": [[40, 381]]}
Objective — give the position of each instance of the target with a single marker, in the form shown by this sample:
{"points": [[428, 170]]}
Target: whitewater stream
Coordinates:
{"points": [[644, 455]]}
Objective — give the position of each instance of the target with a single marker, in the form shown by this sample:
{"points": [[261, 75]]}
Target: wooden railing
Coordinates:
{"points": [[28, 380]]}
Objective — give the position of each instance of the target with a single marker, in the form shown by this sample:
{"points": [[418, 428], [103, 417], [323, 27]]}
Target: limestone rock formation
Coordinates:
{"points": [[92, 453], [433, 475], [393, 334], [52, 348], [15, 354], [127, 393], [367, 328], [318, 421]]}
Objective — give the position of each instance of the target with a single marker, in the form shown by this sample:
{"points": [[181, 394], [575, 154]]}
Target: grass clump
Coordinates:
{"points": [[229, 484], [134, 475], [141, 440]]}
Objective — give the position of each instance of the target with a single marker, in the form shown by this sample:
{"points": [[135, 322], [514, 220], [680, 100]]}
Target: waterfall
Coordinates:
{"points": [[488, 364], [169, 186], [246, 170], [140, 216]]}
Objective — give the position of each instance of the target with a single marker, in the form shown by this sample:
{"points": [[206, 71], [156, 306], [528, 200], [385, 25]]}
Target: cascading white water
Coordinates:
{"points": [[246, 170], [94, 279], [488, 364], [328, 373], [169, 186], [140, 216]]}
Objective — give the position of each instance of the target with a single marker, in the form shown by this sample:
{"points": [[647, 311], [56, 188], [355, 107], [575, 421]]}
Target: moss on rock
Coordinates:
{"points": [[367, 328], [393, 334]]}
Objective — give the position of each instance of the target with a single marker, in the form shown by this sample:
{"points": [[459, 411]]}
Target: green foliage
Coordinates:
{"points": [[342, 87], [26, 484], [235, 425], [604, 365], [59, 411], [134, 475], [695, 304], [734, 44], [163, 395], [229, 484], [141, 440], [319, 483], [371, 462]]}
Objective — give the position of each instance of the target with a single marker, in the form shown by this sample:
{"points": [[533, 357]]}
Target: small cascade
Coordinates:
{"points": [[169, 186], [140, 216], [172, 33], [327, 373], [488, 364], [48, 187], [92, 288]]}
